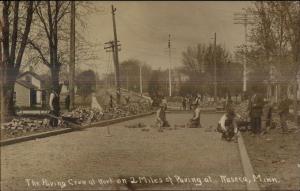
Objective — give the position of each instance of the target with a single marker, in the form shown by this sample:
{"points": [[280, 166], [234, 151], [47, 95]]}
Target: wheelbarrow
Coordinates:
{"points": [[71, 122]]}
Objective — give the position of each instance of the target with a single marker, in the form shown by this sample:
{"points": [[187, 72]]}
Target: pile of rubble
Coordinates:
{"points": [[24, 125]]}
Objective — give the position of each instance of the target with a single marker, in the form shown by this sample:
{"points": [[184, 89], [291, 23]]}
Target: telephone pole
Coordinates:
{"points": [[245, 20], [141, 80], [170, 63], [2, 80], [215, 67], [72, 57], [116, 55], [110, 47]]}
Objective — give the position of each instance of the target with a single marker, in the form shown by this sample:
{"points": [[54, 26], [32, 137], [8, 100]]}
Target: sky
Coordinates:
{"points": [[143, 29]]}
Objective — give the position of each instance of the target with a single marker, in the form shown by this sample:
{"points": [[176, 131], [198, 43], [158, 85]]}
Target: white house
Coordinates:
{"points": [[28, 90]]}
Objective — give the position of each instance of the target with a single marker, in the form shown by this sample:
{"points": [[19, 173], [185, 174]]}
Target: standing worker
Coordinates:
{"points": [[283, 108], [256, 109], [54, 108], [183, 103], [266, 116], [111, 103], [67, 102]]}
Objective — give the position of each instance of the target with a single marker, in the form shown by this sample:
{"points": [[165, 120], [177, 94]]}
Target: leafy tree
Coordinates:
{"points": [[276, 34], [130, 74], [198, 64]]}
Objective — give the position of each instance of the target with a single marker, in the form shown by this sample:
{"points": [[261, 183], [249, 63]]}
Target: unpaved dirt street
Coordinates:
{"points": [[174, 159], [276, 155]]}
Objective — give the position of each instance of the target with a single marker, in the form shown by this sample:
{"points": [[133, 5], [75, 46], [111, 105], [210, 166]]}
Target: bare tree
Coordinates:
{"points": [[50, 38], [13, 47], [198, 64], [277, 34]]}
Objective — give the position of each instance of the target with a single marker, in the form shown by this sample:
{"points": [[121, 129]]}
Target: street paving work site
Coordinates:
{"points": [[127, 158]]}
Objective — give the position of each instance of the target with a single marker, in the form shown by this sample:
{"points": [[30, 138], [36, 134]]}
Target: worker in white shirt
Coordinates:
{"points": [[54, 108], [95, 104], [228, 125]]}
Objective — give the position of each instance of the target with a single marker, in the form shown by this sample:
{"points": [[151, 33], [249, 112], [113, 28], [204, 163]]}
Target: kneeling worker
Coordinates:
{"points": [[161, 120], [228, 125], [195, 121]]}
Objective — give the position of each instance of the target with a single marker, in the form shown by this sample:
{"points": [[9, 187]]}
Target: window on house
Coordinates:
{"points": [[28, 79]]}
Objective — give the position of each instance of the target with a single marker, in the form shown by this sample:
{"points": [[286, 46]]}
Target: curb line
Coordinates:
{"points": [[67, 130], [247, 167]]}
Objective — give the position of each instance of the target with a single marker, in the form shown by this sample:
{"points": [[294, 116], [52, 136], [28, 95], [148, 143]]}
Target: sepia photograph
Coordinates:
{"points": [[150, 95]]}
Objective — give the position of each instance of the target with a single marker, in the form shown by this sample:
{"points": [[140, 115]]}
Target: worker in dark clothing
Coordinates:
{"points": [[256, 110], [283, 110], [183, 103], [111, 103], [161, 120], [67, 102], [194, 122]]}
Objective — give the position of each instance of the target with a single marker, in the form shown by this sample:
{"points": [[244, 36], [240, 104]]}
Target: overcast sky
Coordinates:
{"points": [[143, 28]]}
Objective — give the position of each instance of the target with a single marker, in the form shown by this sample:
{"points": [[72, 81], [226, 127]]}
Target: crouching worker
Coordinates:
{"points": [[195, 121], [161, 120], [228, 125]]}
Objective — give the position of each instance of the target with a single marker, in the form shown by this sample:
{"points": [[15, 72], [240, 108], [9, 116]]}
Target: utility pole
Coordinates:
{"points": [[245, 20], [72, 57], [116, 59], [141, 80], [110, 47], [215, 67], [2, 80], [170, 64]]}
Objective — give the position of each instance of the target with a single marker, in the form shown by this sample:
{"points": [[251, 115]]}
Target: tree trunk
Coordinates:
{"points": [[8, 102], [55, 83]]}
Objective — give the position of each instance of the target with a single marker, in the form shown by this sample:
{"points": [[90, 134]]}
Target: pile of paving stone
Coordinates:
{"points": [[81, 115], [242, 109], [84, 114], [24, 125]]}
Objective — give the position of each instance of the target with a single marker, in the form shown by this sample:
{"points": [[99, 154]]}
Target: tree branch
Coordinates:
{"points": [[63, 12], [38, 49], [25, 36], [40, 14]]}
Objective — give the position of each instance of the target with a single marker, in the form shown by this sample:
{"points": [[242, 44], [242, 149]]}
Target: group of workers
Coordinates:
{"points": [[258, 121], [260, 113], [189, 101], [161, 120]]}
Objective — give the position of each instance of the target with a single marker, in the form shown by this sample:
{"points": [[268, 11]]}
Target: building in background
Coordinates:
{"points": [[29, 90]]}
